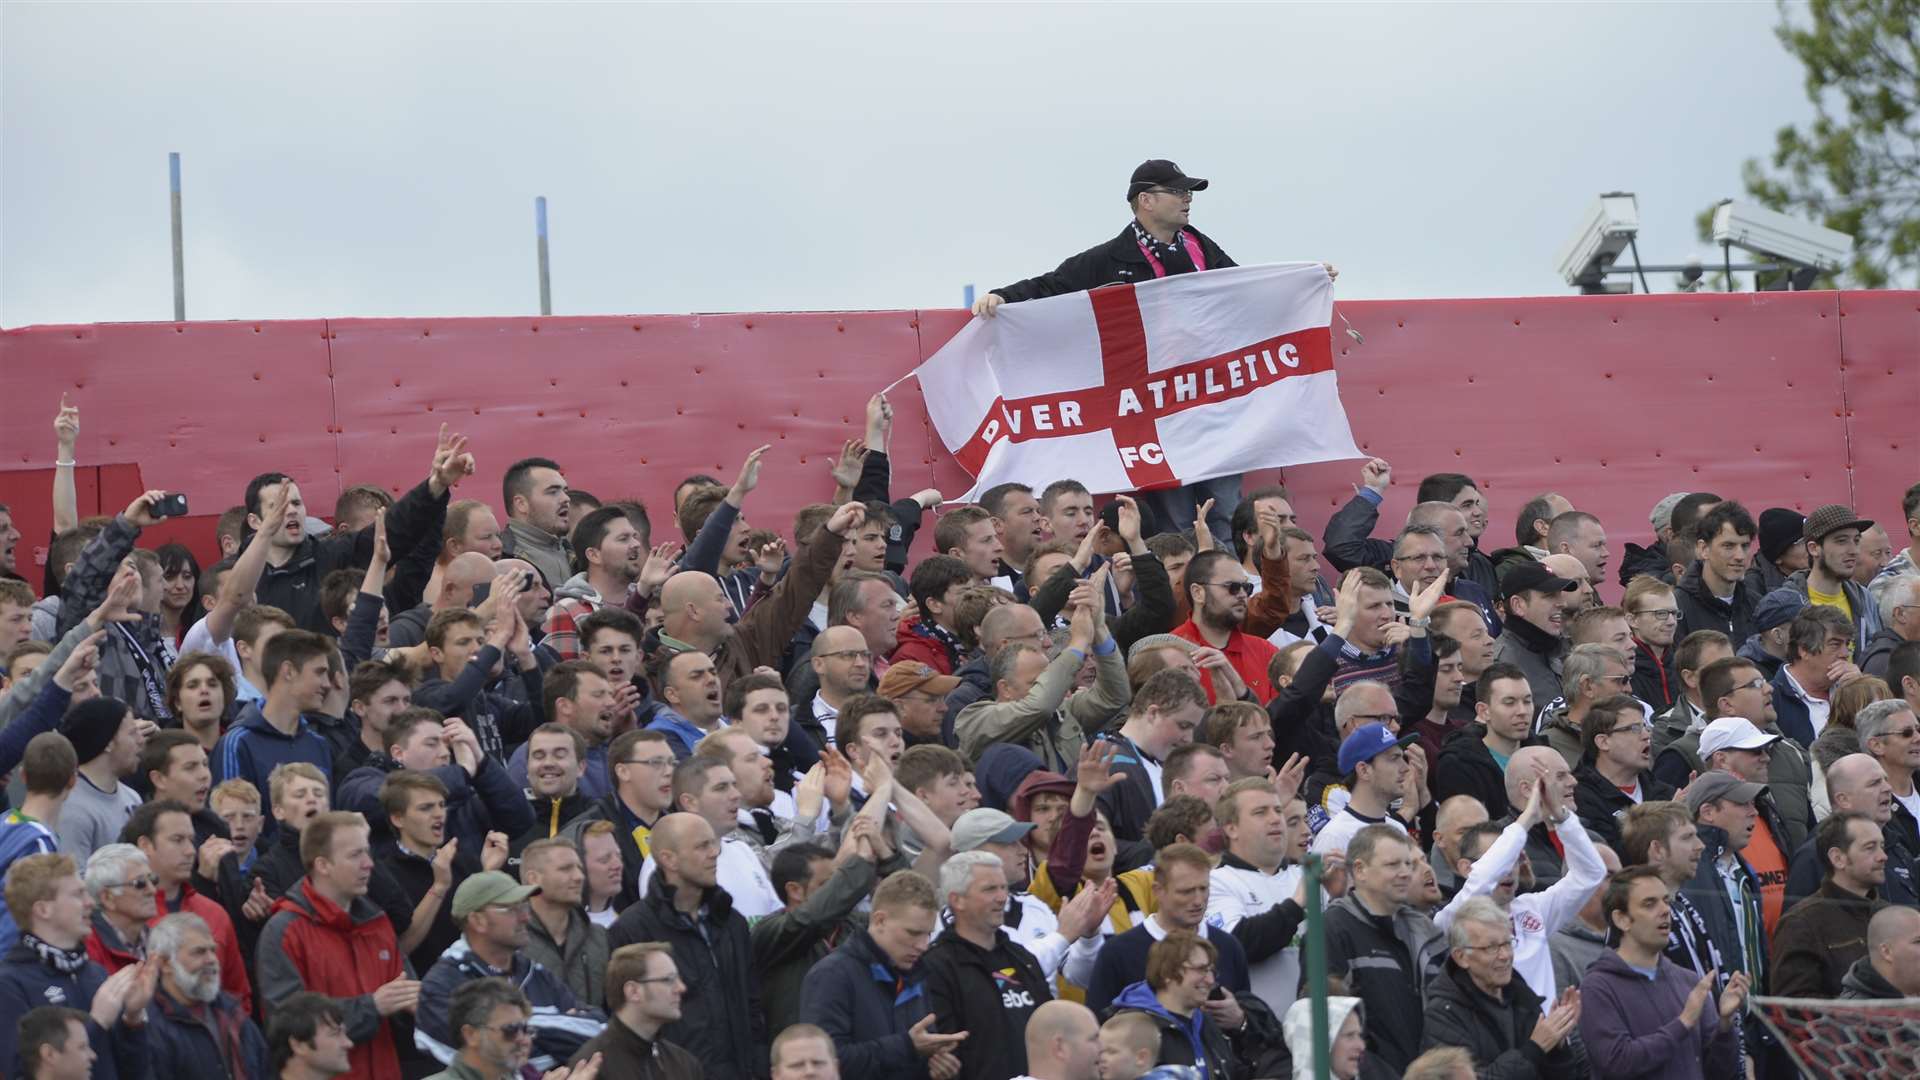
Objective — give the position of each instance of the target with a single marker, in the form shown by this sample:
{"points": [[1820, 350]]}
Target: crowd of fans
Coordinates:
{"points": [[481, 791], [424, 791]]}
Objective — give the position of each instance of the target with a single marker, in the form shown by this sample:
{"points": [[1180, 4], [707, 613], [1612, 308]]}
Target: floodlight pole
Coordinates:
{"points": [[540, 240], [179, 250]]}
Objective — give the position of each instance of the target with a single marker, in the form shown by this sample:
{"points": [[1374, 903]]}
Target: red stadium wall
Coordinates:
{"points": [[1774, 398]]}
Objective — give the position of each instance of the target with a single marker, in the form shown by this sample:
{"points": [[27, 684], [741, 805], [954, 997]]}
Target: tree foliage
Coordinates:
{"points": [[1856, 167]]}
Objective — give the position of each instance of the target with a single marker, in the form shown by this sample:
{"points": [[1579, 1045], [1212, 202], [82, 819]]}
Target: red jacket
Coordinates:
{"points": [[233, 965], [310, 943], [104, 947], [915, 645], [1249, 656]]}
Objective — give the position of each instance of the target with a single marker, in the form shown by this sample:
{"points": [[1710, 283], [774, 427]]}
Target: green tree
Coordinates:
{"points": [[1856, 167]]}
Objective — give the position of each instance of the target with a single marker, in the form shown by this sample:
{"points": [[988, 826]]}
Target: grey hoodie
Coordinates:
{"points": [[1297, 1025]]}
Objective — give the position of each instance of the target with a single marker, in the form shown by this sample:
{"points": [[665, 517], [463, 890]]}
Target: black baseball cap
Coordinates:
{"points": [[1159, 172], [1533, 577]]}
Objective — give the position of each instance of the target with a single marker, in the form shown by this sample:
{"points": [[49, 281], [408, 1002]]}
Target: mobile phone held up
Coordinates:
{"points": [[171, 505]]}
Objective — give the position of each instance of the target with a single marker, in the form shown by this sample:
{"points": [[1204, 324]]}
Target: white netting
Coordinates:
{"points": [[1847, 1040]]}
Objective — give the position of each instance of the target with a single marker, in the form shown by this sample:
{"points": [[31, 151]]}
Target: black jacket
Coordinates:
{"points": [[975, 685], [295, 586], [1708, 896], [1650, 560], [1302, 723], [415, 875], [1863, 983], [866, 1008], [1879, 652], [1387, 964], [1497, 1033], [1701, 610], [720, 1018], [1466, 767], [1601, 806], [788, 944], [988, 993], [1655, 680], [1116, 262]]}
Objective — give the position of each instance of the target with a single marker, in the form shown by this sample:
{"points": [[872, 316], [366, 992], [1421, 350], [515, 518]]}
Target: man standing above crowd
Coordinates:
{"points": [[1158, 242]]}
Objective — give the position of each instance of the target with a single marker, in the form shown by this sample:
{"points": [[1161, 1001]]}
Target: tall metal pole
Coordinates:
{"points": [[179, 251], [1316, 963], [540, 228]]}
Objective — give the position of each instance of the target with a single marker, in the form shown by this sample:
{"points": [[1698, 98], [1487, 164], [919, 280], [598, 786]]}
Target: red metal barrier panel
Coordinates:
{"points": [[1613, 401], [1880, 355]]}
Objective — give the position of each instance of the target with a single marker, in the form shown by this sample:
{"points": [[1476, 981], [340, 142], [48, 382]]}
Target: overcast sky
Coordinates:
{"points": [[362, 160]]}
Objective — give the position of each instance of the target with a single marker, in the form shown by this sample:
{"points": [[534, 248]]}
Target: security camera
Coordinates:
{"points": [[1771, 233], [1607, 227]]}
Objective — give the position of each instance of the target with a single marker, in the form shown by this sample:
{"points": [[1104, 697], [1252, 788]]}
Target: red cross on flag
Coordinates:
{"points": [[1136, 387]]}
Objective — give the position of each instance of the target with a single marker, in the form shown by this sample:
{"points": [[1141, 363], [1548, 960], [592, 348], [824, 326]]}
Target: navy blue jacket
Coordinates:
{"points": [[183, 1045], [1123, 962], [1791, 713], [867, 1008], [486, 802], [253, 748], [26, 983]]}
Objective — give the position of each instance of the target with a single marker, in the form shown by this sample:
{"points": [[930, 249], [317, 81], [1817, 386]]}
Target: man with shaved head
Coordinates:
{"points": [[1543, 856], [843, 663], [696, 608], [1063, 1043], [458, 579], [1891, 968], [721, 1020], [1859, 784]]}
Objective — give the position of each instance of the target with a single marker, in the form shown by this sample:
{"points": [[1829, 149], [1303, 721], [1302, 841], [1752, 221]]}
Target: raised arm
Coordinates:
{"points": [[238, 586], [66, 433]]}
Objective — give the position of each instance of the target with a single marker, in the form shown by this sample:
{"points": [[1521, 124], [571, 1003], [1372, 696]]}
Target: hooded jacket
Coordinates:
{"points": [[866, 1007], [1655, 680], [1297, 1028], [546, 552], [1701, 610], [1385, 961], [632, 854], [1466, 767], [486, 802], [253, 748], [28, 982], [1865, 983], [1191, 1040], [1879, 652], [988, 993], [311, 943], [1633, 1025], [721, 1019], [1650, 560], [1497, 1032], [581, 962]]}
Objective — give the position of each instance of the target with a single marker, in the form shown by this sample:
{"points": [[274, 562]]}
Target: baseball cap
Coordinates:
{"points": [[1369, 741], [1718, 785], [487, 888], [1780, 529], [1533, 577], [1661, 515], [1732, 733], [907, 676], [1831, 519], [984, 826], [1777, 608], [1159, 172]]}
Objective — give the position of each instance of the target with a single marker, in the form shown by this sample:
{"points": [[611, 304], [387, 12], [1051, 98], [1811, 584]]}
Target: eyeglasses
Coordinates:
{"points": [[1496, 948], [1168, 191], [1903, 733], [144, 884], [847, 654], [1618, 680], [1630, 729], [1234, 588], [1428, 558], [1757, 683], [1198, 969], [1378, 718], [515, 1030], [652, 762], [1665, 614], [673, 979]]}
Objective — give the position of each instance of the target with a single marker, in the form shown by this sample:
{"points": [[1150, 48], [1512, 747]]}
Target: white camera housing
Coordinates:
{"points": [[1771, 233], [1606, 228]]}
